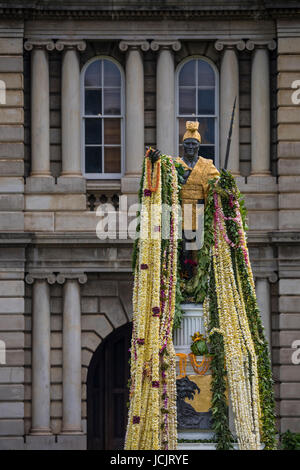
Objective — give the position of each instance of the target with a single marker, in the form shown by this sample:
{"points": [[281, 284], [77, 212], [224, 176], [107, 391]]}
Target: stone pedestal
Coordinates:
{"points": [[197, 384], [193, 415]]}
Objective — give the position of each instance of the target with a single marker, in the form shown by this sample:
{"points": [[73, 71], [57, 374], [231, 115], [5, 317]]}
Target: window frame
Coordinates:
{"points": [[216, 116], [102, 176]]}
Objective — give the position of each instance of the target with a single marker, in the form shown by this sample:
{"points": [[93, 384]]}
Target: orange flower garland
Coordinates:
{"points": [[149, 174]]}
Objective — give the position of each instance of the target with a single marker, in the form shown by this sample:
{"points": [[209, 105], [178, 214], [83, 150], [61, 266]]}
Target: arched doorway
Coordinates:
{"points": [[107, 391]]}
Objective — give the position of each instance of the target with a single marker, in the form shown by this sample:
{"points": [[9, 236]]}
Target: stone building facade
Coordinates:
{"points": [[65, 294]]}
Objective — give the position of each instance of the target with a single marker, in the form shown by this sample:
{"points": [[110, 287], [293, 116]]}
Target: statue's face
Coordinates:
{"points": [[191, 148]]}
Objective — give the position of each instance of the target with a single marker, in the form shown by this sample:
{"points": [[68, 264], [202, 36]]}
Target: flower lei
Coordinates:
{"points": [[152, 412], [224, 280], [233, 322], [241, 362]]}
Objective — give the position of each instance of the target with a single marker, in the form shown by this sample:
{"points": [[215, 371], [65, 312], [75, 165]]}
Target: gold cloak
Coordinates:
{"points": [[196, 187]]}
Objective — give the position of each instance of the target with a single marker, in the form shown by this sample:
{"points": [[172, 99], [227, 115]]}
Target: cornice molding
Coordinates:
{"points": [[156, 12]]}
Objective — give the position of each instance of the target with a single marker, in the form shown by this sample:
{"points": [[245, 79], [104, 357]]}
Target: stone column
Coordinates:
{"points": [[165, 95], [262, 287], [134, 134], [260, 106], [40, 362], [70, 107], [71, 352], [229, 90], [40, 111]]}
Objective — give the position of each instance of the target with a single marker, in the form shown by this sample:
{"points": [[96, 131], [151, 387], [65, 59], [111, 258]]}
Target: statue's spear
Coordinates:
{"points": [[229, 136]]}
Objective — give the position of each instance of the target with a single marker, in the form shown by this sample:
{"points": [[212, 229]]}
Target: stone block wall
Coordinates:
{"points": [[11, 135], [11, 220], [289, 225], [12, 326]]}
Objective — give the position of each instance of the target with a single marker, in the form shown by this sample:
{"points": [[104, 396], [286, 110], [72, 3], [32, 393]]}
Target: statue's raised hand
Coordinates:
{"points": [[153, 154]]}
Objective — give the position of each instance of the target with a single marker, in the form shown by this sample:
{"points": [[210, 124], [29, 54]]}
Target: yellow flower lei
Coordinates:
{"points": [[147, 400]]}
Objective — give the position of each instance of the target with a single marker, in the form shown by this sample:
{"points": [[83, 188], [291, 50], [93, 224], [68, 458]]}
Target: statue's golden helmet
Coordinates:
{"points": [[192, 131]]}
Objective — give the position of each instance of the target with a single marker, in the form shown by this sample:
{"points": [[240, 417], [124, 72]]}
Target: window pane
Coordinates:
{"points": [[207, 151], [93, 131], [187, 101], [112, 160], [93, 74], [207, 130], [112, 131], [206, 75], [187, 75], [206, 101], [112, 75], [93, 102], [112, 101], [93, 163]]}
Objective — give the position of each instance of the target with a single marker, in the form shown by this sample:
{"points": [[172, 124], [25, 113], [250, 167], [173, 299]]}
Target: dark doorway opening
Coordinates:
{"points": [[107, 391]]}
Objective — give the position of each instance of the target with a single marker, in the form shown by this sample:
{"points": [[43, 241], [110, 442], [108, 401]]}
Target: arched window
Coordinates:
{"points": [[197, 100], [102, 118]]}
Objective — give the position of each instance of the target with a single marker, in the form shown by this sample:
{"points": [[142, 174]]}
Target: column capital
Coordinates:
{"points": [[252, 44], [80, 277], [157, 44], [39, 44], [125, 45], [62, 44], [31, 277], [271, 277], [238, 44]]}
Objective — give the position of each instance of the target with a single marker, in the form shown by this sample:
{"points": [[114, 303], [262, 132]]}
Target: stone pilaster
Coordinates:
{"points": [[165, 95], [262, 287], [40, 363], [229, 90], [70, 107], [71, 351], [40, 111], [135, 146], [260, 106]]}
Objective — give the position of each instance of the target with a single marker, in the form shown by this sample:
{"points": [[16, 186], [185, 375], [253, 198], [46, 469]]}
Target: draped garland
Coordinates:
{"points": [[152, 412], [238, 344], [224, 280]]}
